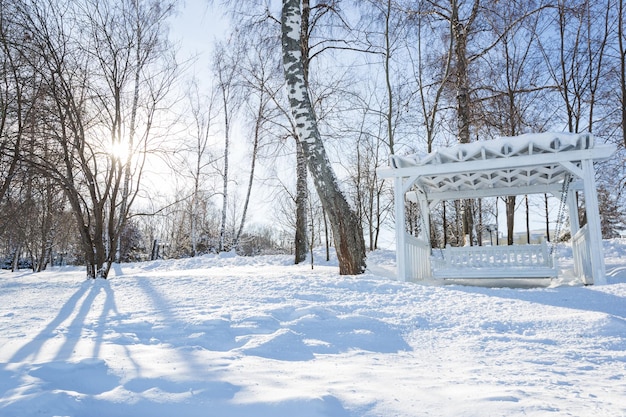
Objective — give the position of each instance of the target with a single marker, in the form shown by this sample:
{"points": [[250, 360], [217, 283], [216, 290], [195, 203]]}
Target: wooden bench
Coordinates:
{"points": [[489, 262]]}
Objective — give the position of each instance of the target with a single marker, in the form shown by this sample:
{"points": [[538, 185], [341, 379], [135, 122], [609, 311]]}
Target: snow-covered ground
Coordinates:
{"points": [[232, 336]]}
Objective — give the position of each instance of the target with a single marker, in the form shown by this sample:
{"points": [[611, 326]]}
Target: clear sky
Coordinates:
{"points": [[195, 27]]}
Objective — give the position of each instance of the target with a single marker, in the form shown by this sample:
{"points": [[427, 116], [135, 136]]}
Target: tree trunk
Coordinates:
{"points": [[349, 242], [527, 219], [622, 63], [388, 80], [225, 173], [123, 214], [15, 264], [479, 232], [460, 33], [547, 211], [497, 216], [302, 192], [255, 146], [510, 218], [444, 220]]}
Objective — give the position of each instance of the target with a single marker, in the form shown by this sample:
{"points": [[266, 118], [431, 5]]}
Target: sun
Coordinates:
{"points": [[119, 151]]}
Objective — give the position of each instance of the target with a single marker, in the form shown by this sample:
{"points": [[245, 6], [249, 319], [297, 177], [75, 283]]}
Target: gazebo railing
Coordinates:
{"points": [[496, 256], [516, 261], [417, 253]]}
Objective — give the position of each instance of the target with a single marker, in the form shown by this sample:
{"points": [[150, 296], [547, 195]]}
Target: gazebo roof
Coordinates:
{"points": [[526, 164]]}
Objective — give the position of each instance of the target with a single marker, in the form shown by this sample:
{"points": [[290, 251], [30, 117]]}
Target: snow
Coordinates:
{"points": [[501, 147], [235, 336]]}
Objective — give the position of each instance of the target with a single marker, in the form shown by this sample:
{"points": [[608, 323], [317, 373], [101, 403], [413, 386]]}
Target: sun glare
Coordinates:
{"points": [[119, 151]]}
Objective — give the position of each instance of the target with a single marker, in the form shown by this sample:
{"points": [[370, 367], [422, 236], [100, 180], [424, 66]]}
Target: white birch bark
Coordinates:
{"points": [[347, 232], [302, 191]]}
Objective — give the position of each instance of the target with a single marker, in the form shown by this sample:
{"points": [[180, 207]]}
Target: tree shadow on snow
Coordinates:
{"points": [[33, 348], [61, 385], [579, 298]]}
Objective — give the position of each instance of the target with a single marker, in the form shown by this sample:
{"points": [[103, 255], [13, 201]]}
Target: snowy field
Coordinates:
{"points": [[259, 337]]}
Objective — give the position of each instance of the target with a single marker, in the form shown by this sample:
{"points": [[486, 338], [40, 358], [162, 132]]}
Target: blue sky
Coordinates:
{"points": [[196, 25]]}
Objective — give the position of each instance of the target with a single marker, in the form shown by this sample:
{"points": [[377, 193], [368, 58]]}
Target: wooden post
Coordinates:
{"points": [[574, 226], [573, 213], [425, 213], [400, 229], [593, 223]]}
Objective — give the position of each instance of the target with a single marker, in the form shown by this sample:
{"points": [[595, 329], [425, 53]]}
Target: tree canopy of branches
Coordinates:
{"points": [[89, 66], [86, 84]]}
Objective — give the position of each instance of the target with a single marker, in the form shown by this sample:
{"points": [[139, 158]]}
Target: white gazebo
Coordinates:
{"points": [[556, 163]]}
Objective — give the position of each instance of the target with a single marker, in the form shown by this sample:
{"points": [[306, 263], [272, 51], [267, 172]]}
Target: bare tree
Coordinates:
{"points": [[383, 32], [200, 158], [225, 62], [574, 59], [466, 21], [65, 83], [300, 198], [144, 31], [260, 79], [14, 70], [84, 83], [432, 69], [461, 17], [368, 189], [346, 229], [126, 39], [13, 106], [515, 73]]}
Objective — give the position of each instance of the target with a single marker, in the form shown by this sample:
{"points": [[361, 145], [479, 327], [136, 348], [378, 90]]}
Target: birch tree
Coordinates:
{"points": [[225, 64], [347, 232], [260, 79], [199, 157], [621, 49]]}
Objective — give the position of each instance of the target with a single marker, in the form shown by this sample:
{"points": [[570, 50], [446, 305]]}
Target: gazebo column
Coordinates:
{"points": [[574, 226], [572, 207], [596, 251], [400, 213], [425, 213]]}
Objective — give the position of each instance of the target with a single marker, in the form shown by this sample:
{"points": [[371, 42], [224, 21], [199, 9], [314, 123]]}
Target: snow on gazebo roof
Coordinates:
{"points": [[524, 164]]}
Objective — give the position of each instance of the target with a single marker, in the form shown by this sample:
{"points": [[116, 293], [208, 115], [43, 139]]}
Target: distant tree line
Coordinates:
{"points": [[94, 101]]}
